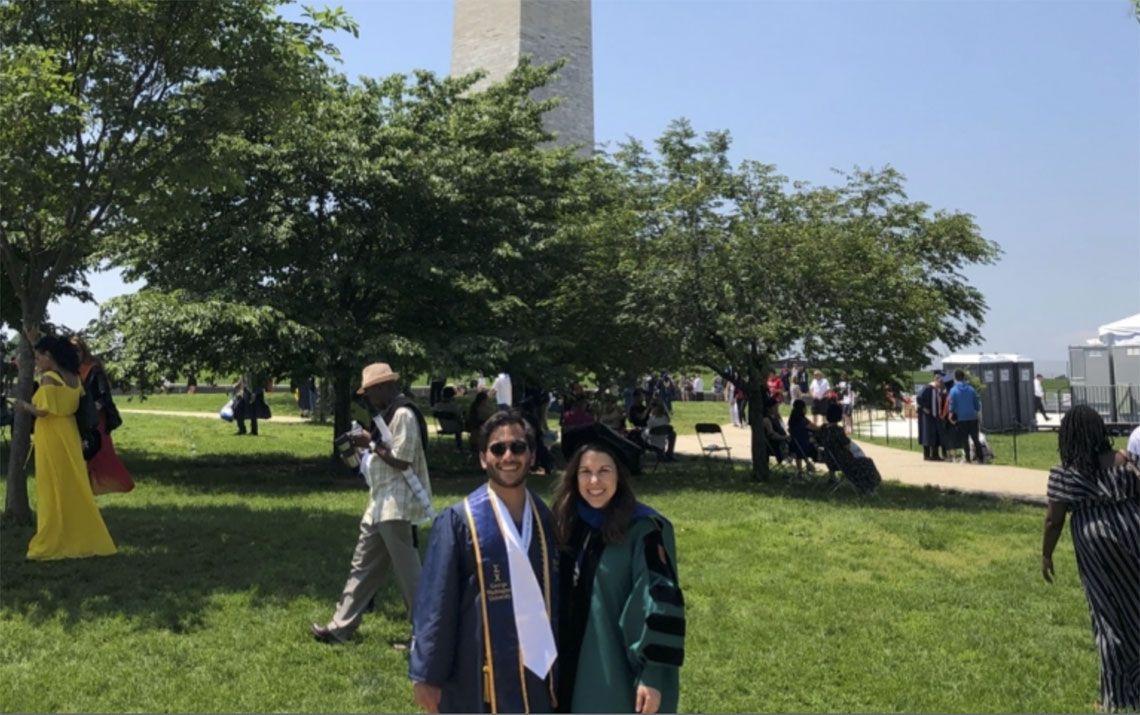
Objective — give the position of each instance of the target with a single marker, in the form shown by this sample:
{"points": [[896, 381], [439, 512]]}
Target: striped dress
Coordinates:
{"points": [[1106, 535]]}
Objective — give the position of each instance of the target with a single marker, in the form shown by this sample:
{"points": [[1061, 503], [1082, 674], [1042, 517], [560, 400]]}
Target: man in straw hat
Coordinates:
{"points": [[395, 466]]}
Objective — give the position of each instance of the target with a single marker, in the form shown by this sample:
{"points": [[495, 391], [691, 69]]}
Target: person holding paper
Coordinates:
{"points": [[482, 624], [393, 461]]}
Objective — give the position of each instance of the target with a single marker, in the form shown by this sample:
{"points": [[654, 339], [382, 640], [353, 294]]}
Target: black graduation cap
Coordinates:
{"points": [[626, 451]]}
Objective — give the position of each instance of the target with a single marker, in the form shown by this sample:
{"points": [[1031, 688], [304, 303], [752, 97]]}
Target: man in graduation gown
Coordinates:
{"points": [[482, 630], [929, 403]]}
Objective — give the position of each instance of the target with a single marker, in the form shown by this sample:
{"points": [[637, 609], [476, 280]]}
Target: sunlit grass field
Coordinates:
{"points": [[797, 601]]}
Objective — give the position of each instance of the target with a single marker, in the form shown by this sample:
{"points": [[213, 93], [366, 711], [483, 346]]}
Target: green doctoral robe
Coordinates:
{"points": [[623, 618]]}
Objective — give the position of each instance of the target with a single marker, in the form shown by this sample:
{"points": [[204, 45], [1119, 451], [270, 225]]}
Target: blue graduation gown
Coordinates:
{"points": [[447, 621]]}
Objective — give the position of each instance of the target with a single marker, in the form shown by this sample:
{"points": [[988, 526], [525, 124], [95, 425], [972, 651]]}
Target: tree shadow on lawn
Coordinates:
{"points": [[173, 562], [453, 476], [689, 473], [269, 473]]}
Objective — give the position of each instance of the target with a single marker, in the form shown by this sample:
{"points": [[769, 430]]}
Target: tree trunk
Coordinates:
{"points": [[757, 399], [16, 507], [342, 399]]}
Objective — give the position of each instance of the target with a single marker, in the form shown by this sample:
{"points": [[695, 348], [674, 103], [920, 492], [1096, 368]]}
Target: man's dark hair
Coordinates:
{"points": [[503, 419], [834, 412], [960, 375]]}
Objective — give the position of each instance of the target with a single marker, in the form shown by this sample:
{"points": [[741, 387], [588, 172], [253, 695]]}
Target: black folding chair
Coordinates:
{"points": [[705, 431]]}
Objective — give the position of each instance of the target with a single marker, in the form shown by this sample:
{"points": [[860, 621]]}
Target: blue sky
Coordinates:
{"points": [[1024, 114]]}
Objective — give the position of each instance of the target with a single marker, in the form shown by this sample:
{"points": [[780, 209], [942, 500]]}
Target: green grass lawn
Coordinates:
{"points": [[797, 601], [281, 402], [1035, 450]]}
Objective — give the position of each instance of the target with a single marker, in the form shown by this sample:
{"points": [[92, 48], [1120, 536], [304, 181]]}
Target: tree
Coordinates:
{"points": [[106, 103], [738, 269], [403, 218], [142, 336]]}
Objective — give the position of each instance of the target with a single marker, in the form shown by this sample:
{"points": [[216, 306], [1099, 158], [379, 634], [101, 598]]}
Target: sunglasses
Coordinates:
{"points": [[517, 447]]}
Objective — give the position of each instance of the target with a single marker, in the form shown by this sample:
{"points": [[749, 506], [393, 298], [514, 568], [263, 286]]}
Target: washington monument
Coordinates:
{"points": [[493, 35]]}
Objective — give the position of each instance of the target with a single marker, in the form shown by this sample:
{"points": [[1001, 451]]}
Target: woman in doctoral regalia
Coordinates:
{"points": [[621, 613]]}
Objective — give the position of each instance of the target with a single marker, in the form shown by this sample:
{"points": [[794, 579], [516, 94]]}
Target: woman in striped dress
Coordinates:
{"points": [[1102, 490]]}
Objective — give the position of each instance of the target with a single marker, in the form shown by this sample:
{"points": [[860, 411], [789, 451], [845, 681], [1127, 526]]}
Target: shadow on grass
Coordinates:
{"points": [[693, 473], [271, 473], [175, 563]]}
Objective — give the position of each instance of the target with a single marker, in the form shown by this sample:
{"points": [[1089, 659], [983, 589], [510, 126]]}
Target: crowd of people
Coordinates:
{"points": [[577, 607]]}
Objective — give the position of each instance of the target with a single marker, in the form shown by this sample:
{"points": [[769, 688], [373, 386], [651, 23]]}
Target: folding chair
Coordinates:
{"points": [[449, 423], [711, 448]]}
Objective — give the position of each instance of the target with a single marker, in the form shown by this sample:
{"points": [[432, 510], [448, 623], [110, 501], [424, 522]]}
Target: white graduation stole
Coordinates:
{"points": [[536, 639]]}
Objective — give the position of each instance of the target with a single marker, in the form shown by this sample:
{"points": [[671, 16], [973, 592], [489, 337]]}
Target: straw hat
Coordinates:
{"points": [[375, 374]]}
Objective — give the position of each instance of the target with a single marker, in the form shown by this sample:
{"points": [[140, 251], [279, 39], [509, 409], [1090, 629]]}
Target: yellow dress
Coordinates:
{"points": [[68, 523]]}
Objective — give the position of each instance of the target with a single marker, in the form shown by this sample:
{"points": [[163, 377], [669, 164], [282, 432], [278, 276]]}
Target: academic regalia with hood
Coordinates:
{"points": [[449, 648], [622, 617]]}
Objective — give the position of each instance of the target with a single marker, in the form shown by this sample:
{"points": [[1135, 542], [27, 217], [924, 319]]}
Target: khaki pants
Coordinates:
{"points": [[382, 549]]}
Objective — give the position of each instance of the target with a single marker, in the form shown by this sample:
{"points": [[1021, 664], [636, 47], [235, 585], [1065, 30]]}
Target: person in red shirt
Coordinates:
{"points": [[775, 388]]}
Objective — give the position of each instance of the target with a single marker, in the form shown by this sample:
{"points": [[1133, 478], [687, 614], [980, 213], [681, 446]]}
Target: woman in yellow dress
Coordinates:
{"points": [[68, 523]]}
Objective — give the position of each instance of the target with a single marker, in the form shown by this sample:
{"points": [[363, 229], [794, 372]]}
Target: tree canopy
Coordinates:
{"points": [[738, 268], [106, 104]]}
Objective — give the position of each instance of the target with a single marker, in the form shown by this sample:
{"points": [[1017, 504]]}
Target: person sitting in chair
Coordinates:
{"points": [[661, 443], [775, 433], [838, 455]]}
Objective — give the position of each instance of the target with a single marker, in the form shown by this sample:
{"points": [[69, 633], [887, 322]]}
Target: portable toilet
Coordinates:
{"points": [[1007, 388], [1091, 378], [1126, 372]]}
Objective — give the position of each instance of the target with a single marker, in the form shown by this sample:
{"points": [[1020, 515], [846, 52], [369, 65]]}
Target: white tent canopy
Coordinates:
{"points": [[1125, 331]]}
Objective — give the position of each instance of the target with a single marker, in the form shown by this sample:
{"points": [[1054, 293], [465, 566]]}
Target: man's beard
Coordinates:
{"points": [[498, 479]]}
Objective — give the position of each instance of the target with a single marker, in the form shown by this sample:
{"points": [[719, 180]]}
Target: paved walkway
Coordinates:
{"points": [[910, 468]]}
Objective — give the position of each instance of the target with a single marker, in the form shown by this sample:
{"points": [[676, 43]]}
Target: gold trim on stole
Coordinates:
{"points": [[488, 661]]}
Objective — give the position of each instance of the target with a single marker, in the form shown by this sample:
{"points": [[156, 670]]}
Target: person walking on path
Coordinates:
{"points": [[68, 522], [1101, 489], [1039, 397], [621, 614], [482, 624], [395, 465]]}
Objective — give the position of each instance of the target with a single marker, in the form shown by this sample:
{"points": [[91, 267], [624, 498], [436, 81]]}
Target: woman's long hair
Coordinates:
{"points": [[566, 497], [1082, 439], [799, 409], [61, 351]]}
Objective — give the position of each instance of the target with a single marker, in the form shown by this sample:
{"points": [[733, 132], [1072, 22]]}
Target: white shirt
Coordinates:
{"points": [[698, 384], [502, 389], [1038, 390], [819, 388], [1134, 442], [847, 394], [391, 498]]}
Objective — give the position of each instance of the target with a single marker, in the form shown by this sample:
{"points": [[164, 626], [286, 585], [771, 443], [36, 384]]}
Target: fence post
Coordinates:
{"points": [[1015, 430]]}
